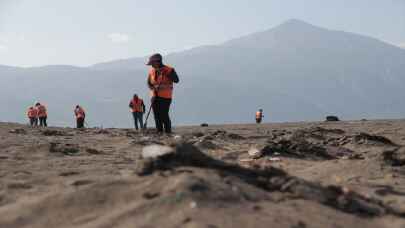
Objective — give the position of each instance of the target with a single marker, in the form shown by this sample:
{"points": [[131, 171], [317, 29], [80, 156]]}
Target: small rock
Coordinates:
{"points": [[204, 125]]}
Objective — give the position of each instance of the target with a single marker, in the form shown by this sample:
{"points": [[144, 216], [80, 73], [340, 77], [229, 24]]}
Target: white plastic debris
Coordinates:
{"points": [[193, 205], [177, 137], [255, 153], [275, 159], [154, 151]]}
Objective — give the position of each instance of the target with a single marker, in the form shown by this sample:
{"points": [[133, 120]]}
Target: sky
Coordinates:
{"points": [[85, 32]]}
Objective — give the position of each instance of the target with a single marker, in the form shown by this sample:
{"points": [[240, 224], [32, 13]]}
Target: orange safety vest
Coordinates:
{"points": [[79, 112], [162, 83], [42, 111], [137, 105], [32, 113], [259, 115]]}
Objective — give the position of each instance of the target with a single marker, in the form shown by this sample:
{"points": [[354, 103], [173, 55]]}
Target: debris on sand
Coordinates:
{"points": [[205, 143], [49, 132], [255, 153], [103, 131], [332, 118], [235, 136], [314, 143], [269, 179], [364, 138], [395, 157], [221, 134], [304, 149], [197, 134], [204, 125], [93, 151], [19, 131], [64, 148]]}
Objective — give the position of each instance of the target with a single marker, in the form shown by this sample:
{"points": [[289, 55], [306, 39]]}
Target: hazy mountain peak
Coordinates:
{"points": [[286, 33], [295, 22]]}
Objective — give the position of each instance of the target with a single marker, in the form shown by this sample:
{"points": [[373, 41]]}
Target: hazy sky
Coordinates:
{"points": [[84, 32]]}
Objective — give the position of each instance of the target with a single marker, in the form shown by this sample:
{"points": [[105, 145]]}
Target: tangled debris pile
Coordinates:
{"points": [[395, 157], [364, 138], [269, 179], [317, 143]]}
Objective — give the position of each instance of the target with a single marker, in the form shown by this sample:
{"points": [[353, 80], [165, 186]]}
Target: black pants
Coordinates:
{"points": [[161, 107], [42, 121], [258, 120], [80, 122], [138, 118], [33, 121]]}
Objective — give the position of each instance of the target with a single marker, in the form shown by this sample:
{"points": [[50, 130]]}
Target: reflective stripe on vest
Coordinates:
{"points": [[137, 105], [162, 82]]}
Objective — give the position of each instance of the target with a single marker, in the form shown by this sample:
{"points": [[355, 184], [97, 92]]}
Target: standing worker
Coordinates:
{"points": [[138, 109], [259, 116], [80, 116], [160, 83], [32, 114], [42, 114]]}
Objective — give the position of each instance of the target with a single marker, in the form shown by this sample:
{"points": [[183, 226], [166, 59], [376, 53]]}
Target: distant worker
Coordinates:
{"points": [[138, 109], [160, 83], [259, 116], [80, 116], [32, 114], [42, 114]]}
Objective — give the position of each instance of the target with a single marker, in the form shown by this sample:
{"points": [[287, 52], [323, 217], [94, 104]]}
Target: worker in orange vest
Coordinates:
{"points": [[42, 114], [32, 114], [80, 116], [160, 81], [137, 108], [259, 116]]}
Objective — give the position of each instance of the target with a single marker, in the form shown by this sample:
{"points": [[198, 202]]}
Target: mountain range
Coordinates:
{"points": [[295, 72]]}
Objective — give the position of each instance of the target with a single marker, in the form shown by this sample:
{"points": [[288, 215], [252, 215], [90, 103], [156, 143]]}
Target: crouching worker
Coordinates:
{"points": [[32, 114], [80, 116], [138, 109]]}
